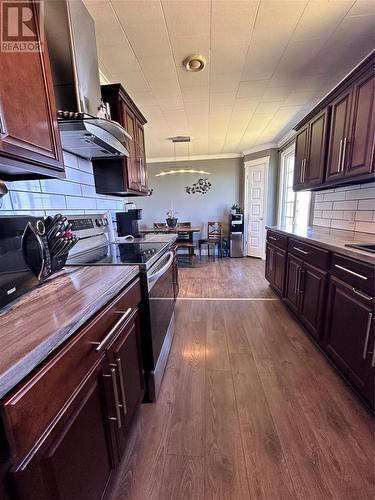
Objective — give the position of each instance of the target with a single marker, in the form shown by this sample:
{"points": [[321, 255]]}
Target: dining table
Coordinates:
{"points": [[173, 230]]}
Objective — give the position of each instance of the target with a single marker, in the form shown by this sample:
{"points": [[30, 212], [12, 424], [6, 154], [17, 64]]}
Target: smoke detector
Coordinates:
{"points": [[195, 63]]}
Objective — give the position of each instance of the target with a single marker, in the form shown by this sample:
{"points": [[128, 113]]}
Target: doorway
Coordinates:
{"points": [[256, 185]]}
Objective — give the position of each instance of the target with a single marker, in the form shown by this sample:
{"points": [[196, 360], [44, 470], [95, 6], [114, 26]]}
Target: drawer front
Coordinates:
{"points": [[277, 239], [355, 273], [32, 407], [309, 253]]}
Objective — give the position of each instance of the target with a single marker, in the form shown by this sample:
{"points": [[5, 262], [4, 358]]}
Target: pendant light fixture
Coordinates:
{"points": [[181, 139]]}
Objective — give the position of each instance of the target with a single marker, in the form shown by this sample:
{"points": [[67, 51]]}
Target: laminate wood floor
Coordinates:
{"points": [[249, 408]]}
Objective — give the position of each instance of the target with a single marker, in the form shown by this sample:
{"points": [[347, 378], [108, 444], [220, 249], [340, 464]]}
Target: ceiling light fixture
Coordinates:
{"points": [[195, 63], [182, 171]]}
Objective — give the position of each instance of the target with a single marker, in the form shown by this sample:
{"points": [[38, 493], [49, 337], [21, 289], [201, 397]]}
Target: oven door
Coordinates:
{"points": [[161, 292]]}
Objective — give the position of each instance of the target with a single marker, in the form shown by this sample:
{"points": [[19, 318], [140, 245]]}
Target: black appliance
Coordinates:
{"points": [[24, 256], [127, 222], [159, 283]]}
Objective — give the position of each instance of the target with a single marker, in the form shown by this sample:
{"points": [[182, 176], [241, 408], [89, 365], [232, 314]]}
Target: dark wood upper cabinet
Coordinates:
{"points": [[339, 136], [123, 176], [300, 158], [349, 335], [335, 141], [360, 154], [30, 145]]}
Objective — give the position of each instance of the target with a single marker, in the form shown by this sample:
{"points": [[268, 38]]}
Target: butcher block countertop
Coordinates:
{"points": [[331, 239], [34, 325]]}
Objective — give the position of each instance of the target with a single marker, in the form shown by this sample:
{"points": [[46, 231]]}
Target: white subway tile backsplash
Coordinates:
{"points": [[352, 208], [60, 187], [361, 194], [345, 205], [89, 191], [105, 205], [323, 205], [79, 176], [80, 202], [343, 224], [5, 203], [85, 165], [22, 200], [366, 205], [33, 185], [70, 160], [365, 227]]}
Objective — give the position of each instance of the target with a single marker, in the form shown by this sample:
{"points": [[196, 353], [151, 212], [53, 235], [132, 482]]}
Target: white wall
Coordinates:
{"points": [[349, 207], [169, 191]]}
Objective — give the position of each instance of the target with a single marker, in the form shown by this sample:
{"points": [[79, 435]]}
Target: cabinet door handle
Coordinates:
{"points": [[296, 282], [271, 260], [304, 170], [112, 331], [351, 272], [343, 155], [117, 402], [367, 335], [122, 385], [373, 356], [339, 160], [300, 250], [361, 294]]}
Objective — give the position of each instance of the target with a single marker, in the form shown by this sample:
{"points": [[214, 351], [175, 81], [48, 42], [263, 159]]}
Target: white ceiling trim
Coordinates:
{"points": [[260, 147], [221, 156], [287, 137]]}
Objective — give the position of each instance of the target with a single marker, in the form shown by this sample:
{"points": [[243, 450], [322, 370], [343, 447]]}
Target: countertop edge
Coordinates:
{"points": [[337, 248], [23, 368]]}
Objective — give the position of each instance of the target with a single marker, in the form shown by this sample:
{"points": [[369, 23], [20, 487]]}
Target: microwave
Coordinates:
{"points": [[24, 257]]}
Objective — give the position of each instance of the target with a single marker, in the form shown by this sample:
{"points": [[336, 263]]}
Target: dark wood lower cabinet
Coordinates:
{"points": [[275, 267], [75, 461], [312, 288], [349, 335], [294, 267], [67, 424]]}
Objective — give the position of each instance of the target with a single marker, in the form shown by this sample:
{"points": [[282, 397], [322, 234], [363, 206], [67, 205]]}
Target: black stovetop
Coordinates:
{"points": [[120, 253]]}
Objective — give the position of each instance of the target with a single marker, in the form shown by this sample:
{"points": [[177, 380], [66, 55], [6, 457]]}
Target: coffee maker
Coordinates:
{"points": [[127, 222]]}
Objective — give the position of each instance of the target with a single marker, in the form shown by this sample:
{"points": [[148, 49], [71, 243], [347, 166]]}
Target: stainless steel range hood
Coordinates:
{"points": [[70, 34]]}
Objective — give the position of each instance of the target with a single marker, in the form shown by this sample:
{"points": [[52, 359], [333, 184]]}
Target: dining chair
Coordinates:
{"points": [[214, 237], [185, 242]]}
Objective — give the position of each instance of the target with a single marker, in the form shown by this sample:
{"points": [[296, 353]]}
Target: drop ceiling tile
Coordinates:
{"points": [[234, 18], [158, 67], [184, 46], [277, 93], [189, 79], [137, 12], [196, 108], [149, 39], [187, 18], [252, 88], [228, 57], [362, 8], [134, 81], [165, 88], [171, 103], [222, 99], [268, 107], [274, 13], [299, 98], [117, 57], [195, 94], [225, 82], [315, 25], [247, 104]]}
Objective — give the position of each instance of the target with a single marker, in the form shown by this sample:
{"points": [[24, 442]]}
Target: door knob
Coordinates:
{"points": [[260, 218]]}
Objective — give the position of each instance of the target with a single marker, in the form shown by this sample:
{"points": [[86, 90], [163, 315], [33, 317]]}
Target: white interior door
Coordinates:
{"points": [[256, 205]]}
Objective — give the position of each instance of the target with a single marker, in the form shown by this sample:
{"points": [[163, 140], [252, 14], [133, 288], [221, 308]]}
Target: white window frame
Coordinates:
{"points": [[284, 154]]}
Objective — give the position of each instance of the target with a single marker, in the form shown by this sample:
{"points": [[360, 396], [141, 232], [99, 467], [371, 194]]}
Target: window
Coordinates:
{"points": [[294, 208]]}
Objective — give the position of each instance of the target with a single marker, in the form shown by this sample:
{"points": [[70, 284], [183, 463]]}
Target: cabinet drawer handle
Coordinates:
{"points": [[122, 385], [367, 335], [361, 294], [272, 238], [300, 250], [351, 272], [112, 331], [373, 356], [117, 402]]}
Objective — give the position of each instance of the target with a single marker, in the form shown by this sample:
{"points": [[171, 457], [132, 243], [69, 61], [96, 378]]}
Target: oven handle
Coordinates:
{"points": [[161, 271]]}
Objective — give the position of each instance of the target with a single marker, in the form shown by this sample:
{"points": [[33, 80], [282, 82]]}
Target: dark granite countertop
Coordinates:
{"points": [[34, 325], [331, 239]]}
